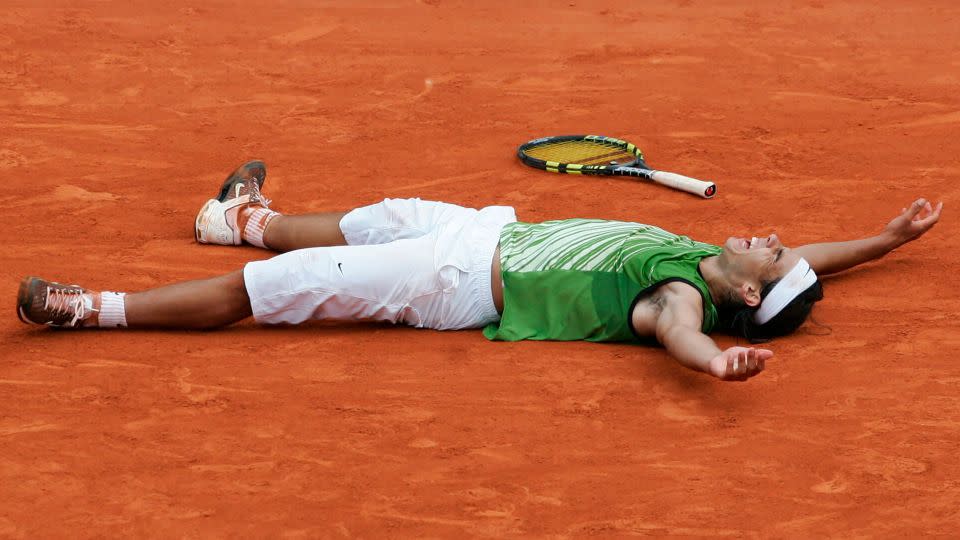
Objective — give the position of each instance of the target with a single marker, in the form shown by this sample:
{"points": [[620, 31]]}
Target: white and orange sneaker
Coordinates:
{"points": [[46, 302], [218, 222]]}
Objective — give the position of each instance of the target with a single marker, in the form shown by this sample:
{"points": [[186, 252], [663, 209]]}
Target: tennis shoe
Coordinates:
{"points": [[219, 220], [256, 169], [46, 302]]}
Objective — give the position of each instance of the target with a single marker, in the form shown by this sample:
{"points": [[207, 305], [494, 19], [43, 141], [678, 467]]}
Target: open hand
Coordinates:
{"points": [[739, 363], [913, 221]]}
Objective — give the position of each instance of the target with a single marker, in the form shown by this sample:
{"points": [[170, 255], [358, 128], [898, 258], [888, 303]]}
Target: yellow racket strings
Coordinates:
{"points": [[582, 152]]}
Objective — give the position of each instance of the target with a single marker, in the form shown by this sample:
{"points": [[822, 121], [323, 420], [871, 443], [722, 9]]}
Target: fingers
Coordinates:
{"points": [[932, 217], [745, 363], [741, 371], [925, 211], [916, 207], [755, 363], [760, 360], [739, 363], [922, 204]]}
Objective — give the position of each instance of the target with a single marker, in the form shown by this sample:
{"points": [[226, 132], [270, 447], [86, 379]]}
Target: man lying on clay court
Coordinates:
{"points": [[441, 266]]}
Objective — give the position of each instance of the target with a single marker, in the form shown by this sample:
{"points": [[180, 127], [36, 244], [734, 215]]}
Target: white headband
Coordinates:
{"points": [[795, 282]]}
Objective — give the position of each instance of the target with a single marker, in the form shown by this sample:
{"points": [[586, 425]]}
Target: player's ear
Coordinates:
{"points": [[750, 293]]}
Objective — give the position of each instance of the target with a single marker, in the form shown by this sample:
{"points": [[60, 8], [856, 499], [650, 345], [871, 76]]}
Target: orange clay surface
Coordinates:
{"points": [[818, 120]]}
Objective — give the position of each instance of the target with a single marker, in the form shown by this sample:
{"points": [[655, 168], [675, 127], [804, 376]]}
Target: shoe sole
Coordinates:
{"points": [[23, 298], [198, 224], [256, 169]]}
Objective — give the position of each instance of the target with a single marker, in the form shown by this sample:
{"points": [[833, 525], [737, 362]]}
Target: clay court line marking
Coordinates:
{"points": [[27, 383]]}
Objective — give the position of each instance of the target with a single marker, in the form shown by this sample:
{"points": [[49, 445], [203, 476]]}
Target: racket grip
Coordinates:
{"points": [[685, 183]]}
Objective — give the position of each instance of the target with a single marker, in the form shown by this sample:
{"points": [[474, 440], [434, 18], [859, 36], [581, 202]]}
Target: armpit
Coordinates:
{"points": [[645, 313], [650, 304]]}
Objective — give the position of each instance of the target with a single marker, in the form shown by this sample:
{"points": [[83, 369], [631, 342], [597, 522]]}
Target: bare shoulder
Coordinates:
{"points": [[676, 297]]}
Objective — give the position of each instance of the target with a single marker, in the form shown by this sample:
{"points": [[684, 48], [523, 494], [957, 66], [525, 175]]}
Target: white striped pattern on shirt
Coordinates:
{"points": [[590, 245]]}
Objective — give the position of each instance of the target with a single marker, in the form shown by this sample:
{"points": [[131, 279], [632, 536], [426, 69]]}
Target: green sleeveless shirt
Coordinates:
{"points": [[578, 279]]}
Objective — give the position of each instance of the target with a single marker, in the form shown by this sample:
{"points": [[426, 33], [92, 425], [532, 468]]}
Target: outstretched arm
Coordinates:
{"points": [[678, 329], [833, 257]]}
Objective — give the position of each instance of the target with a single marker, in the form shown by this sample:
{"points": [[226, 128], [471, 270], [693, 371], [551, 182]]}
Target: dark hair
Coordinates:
{"points": [[737, 317]]}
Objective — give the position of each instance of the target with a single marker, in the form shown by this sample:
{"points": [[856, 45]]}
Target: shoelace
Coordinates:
{"points": [[61, 302], [251, 188]]}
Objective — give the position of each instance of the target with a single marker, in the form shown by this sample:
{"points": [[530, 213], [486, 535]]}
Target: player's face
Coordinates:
{"points": [[760, 260]]}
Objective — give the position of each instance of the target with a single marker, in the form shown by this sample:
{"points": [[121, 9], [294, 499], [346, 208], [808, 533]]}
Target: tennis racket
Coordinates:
{"points": [[603, 156]]}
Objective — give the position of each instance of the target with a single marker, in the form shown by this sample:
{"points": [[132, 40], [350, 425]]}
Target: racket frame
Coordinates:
{"points": [[637, 168]]}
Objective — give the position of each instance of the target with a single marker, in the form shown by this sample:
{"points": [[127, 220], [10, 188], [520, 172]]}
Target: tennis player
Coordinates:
{"points": [[442, 266]]}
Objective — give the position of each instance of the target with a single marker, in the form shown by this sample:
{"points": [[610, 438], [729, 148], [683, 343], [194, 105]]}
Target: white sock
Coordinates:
{"points": [[113, 312], [257, 224]]}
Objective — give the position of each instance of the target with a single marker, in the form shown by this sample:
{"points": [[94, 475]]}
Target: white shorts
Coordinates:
{"points": [[422, 263]]}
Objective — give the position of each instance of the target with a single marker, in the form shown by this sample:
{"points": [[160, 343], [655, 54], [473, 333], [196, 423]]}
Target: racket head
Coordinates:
{"points": [[580, 154]]}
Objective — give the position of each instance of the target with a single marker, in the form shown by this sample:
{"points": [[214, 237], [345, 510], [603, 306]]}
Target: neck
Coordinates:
{"points": [[715, 278]]}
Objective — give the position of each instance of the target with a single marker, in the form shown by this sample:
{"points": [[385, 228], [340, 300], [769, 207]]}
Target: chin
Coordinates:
{"points": [[732, 245]]}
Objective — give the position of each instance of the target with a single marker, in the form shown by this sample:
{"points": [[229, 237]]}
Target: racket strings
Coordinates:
{"points": [[582, 152], [553, 151], [620, 156], [571, 151]]}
